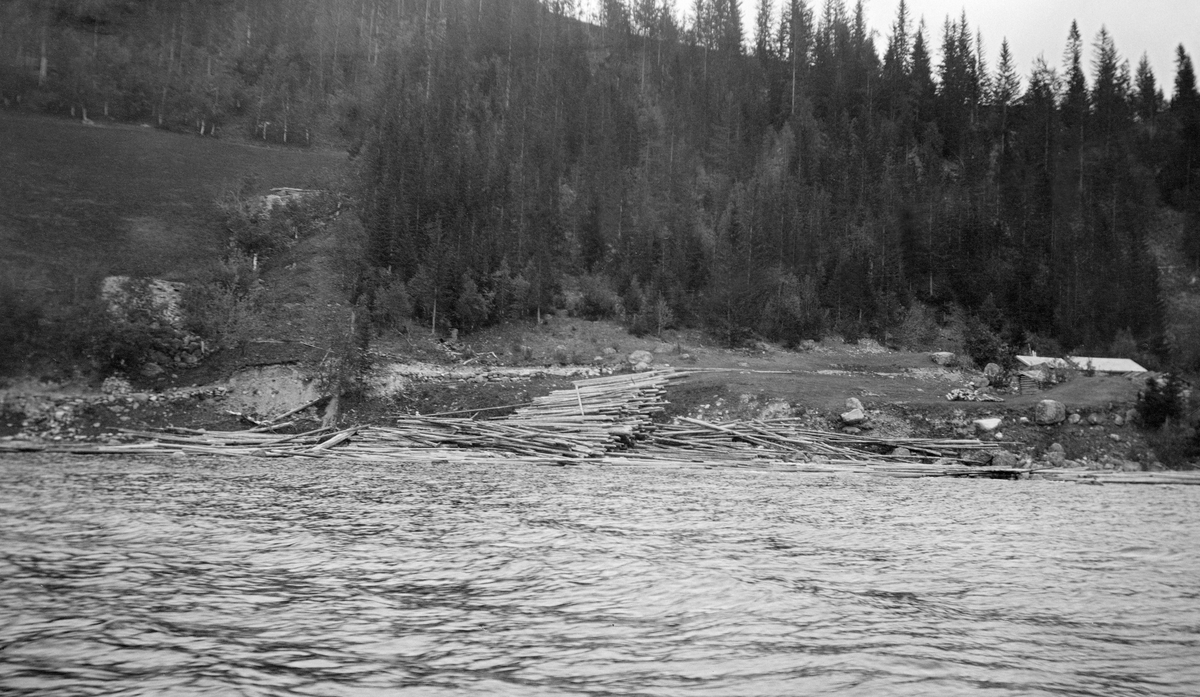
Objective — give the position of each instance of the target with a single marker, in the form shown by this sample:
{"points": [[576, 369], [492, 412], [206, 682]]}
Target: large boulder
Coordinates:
{"points": [[1004, 458], [136, 299], [1049, 412], [942, 357], [641, 357]]}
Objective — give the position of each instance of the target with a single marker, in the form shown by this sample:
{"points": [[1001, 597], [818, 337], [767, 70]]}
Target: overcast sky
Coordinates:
{"points": [[1035, 27]]}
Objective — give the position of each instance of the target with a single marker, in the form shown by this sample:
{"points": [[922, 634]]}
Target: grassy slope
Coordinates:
{"points": [[80, 202]]}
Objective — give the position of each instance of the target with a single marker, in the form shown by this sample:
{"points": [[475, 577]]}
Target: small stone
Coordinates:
{"points": [[152, 369], [854, 417], [1115, 437], [1074, 418], [610, 351], [1094, 419], [987, 425], [852, 403], [1055, 448], [1118, 420], [1024, 420], [901, 452], [851, 430]]}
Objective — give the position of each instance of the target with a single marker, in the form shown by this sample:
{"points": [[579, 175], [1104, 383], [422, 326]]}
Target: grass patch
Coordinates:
{"points": [[79, 203], [83, 202]]}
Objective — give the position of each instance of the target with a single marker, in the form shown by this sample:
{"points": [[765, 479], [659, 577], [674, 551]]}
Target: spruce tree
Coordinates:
{"points": [[1075, 99], [897, 64], [1185, 98], [921, 80], [763, 47], [1109, 87], [1147, 97]]}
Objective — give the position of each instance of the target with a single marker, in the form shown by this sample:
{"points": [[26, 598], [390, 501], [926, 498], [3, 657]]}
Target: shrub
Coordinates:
{"points": [[470, 307], [793, 312], [393, 305], [423, 291], [219, 306], [1161, 400], [1177, 445], [985, 346], [510, 294], [652, 315], [120, 345], [919, 329], [256, 230], [597, 299], [122, 332]]}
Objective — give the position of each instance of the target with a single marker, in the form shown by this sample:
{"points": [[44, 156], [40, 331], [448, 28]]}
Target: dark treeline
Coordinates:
{"points": [[513, 157]]}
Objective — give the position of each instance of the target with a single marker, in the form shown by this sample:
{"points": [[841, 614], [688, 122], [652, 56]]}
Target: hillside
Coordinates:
{"points": [[140, 201], [82, 202], [826, 178]]}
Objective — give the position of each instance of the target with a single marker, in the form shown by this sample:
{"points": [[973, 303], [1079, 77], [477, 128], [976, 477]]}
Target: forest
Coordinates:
{"points": [[655, 165]]}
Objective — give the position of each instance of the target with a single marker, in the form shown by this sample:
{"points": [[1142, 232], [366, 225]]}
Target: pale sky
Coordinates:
{"points": [[1035, 27]]}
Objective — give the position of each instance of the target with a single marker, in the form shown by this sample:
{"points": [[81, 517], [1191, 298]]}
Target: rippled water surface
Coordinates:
{"points": [[198, 577]]}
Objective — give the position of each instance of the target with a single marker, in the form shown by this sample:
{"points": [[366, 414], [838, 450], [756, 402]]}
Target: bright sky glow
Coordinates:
{"points": [[1034, 27], [1039, 27]]}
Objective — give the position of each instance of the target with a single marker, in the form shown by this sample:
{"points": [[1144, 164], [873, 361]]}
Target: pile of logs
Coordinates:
{"points": [[607, 421]]}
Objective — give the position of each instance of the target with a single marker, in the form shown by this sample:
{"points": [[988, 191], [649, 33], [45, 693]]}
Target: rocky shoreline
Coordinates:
{"points": [[1048, 434]]}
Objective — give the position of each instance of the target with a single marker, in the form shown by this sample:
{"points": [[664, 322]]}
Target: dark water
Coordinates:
{"points": [[214, 577]]}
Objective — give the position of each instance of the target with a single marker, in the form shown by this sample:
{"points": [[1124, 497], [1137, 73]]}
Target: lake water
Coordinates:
{"points": [[282, 577]]}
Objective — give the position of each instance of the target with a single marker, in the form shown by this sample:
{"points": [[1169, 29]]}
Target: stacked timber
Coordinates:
{"points": [[789, 436], [608, 421]]}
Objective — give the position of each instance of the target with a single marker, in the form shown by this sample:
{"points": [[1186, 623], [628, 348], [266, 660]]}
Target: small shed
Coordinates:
{"points": [[1107, 366]]}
